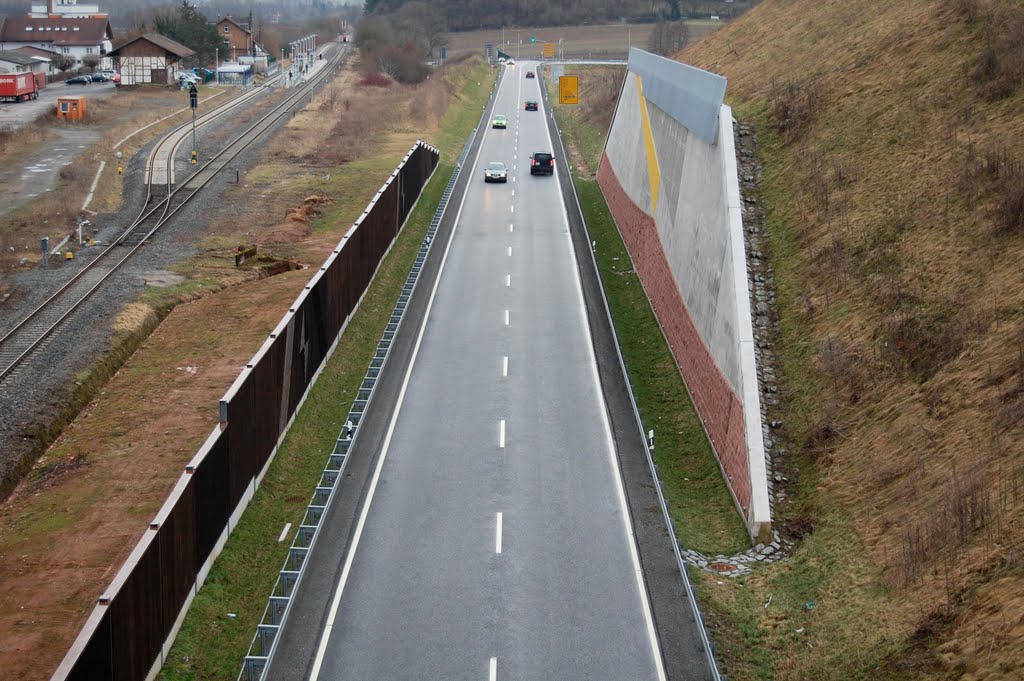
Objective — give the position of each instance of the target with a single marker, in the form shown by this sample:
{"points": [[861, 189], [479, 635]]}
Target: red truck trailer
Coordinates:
{"points": [[18, 87]]}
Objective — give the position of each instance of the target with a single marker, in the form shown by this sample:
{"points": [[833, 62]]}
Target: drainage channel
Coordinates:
{"points": [[262, 647]]}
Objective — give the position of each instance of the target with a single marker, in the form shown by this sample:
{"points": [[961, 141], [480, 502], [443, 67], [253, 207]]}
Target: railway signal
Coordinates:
{"points": [[193, 101]]}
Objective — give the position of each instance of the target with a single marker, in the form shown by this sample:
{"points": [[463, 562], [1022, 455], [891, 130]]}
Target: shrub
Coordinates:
{"points": [[375, 80], [1009, 213], [793, 106]]}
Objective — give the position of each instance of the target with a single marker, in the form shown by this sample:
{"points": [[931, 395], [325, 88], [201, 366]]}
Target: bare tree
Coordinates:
{"points": [[63, 62], [91, 60], [423, 23], [668, 37]]}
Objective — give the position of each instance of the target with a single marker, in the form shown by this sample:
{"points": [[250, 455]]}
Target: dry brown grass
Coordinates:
{"points": [[68, 526], [897, 193], [603, 41], [56, 212]]}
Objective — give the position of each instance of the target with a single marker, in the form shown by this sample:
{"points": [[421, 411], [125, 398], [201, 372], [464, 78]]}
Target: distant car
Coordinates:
{"points": [[530, 74], [531, 105], [499, 121], [495, 172], [78, 80], [99, 78], [510, 62], [116, 79], [542, 163], [109, 73]]}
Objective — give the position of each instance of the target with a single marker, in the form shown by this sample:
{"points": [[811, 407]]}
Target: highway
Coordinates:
{"points": [[493, 540]]}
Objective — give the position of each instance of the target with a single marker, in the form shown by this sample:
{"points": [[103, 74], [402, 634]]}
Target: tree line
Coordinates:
{"points": [[468, 15]]}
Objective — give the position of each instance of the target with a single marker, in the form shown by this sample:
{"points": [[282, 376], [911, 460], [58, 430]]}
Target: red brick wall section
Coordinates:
{"points": [[718, 406]]}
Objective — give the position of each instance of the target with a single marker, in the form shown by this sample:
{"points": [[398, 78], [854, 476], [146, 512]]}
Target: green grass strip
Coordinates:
{"points": [[222, 620], [699, 501]]}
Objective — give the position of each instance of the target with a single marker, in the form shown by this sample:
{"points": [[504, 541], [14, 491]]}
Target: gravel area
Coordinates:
{"points": [[33, 393]]}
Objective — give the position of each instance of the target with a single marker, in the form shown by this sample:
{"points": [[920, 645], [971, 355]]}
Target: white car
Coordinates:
{"points": [[495, 172]]}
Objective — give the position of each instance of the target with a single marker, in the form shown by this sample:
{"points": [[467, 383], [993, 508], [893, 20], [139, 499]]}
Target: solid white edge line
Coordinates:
{"points": [[652, 635], [284, 532], [497, 534], [492, 674], [346, 570], [504, 366], [501, 434]]}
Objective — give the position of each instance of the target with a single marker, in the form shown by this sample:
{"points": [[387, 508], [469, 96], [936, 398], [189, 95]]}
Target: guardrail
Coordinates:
{"points": [[261, 650], [691, 597], [130, 631]]}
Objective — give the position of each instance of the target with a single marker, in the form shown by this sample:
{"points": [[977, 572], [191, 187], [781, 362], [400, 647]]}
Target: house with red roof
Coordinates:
{"points": [[75, 37]]}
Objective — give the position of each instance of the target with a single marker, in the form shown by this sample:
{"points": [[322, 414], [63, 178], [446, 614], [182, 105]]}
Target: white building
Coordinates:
{"points": [[75, 37], [67, 9]]}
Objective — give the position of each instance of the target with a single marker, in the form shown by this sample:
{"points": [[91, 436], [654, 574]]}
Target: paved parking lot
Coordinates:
{"points": [[23, 113]]}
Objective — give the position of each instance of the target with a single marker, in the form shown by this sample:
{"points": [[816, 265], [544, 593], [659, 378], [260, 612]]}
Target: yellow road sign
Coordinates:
{"points": [[569, 90], [549, 49]]}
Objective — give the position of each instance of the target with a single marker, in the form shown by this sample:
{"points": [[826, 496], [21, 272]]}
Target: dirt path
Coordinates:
{"points": [[38, 173]]}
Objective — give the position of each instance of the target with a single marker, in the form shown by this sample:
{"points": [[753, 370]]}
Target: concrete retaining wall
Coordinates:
{"points": [[675, 198]]}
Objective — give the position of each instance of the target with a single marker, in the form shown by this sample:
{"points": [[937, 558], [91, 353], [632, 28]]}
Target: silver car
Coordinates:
{"points": [[495, 172]]}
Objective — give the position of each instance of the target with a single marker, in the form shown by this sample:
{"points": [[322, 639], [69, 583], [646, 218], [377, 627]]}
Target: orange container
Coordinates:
{"points": [[71, 108]]}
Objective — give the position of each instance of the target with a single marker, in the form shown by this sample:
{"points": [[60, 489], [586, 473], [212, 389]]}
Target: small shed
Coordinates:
{"points": [[234, 74], [149, 58], [71, 108]]}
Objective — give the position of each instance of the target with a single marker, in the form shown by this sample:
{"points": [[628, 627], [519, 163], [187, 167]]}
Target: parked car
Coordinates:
{"points": [[530, 74], [78, 80], [499, 121], [495, 172], [542, 163], [531, 105], [116, 79], [109, 73], [99, 78]]}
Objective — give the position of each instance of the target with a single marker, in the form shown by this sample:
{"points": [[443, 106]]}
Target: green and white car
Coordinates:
{"points": [[499, 121]]}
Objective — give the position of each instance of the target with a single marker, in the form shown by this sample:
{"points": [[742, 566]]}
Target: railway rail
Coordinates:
{"points": [[31, 333]]}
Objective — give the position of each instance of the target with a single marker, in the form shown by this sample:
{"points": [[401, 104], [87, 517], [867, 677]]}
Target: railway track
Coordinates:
{"points": [[32, 332]]}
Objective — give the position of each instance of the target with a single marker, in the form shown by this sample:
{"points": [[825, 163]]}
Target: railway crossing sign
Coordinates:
{"points": [[569, 90]]}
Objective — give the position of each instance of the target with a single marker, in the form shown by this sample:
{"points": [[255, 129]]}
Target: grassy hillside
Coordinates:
{"points": [[892, 135]]}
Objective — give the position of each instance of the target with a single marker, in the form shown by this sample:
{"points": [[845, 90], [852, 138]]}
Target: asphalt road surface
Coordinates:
{"points": [[493, 541], [19, 114]]}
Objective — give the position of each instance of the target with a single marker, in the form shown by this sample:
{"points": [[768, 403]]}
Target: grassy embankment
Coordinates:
{"points": [[890, 135], [244, 573], [701, 507]]}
